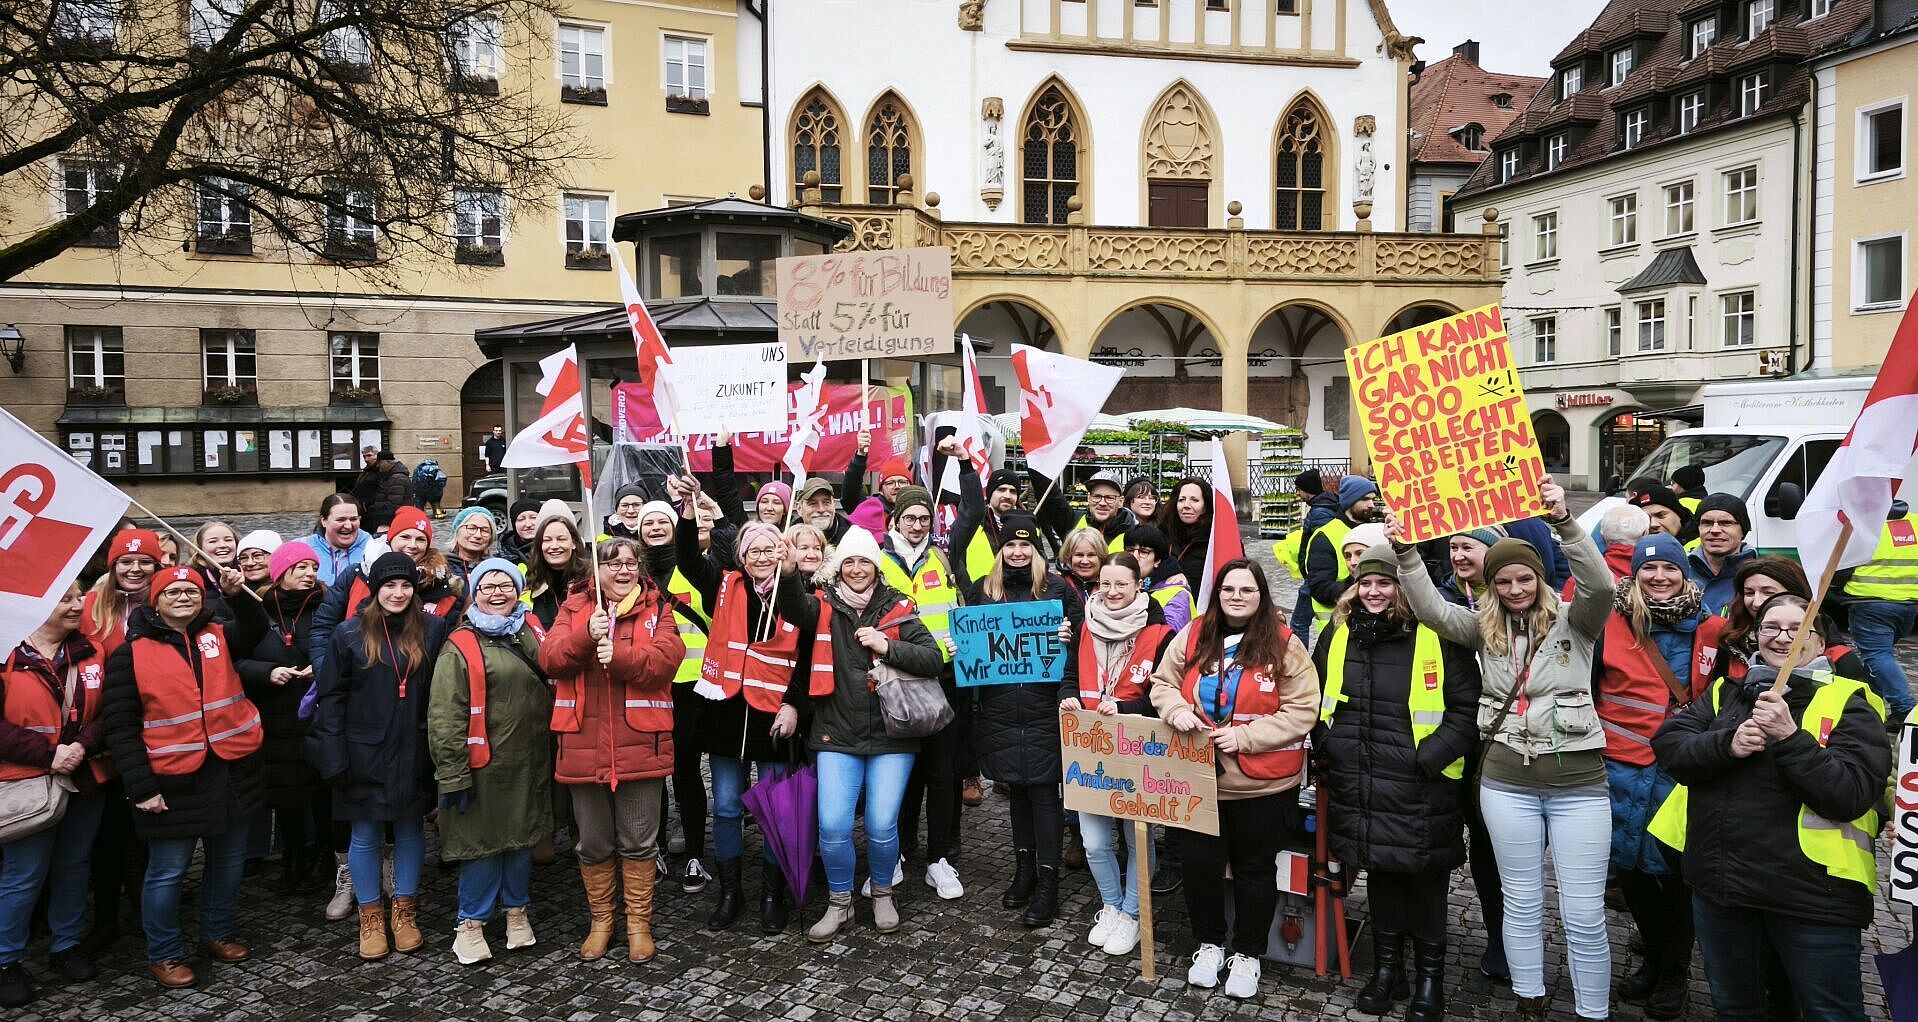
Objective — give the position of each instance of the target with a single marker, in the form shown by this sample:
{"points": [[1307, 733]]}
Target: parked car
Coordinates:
{"points": [[490, 492]]}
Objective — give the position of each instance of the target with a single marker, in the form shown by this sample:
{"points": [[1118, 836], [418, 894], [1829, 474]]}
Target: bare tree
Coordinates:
{"points": [[353, 130]]}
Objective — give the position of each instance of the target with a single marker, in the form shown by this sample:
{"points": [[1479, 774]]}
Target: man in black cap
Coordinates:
{"points": [[1105, 511], [1668, 515], [395, 490], [978, 527], [1688, 482], [1724, 527]]}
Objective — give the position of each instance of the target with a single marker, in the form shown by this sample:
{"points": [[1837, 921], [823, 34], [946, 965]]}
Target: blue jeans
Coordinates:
{"points": [[730, 777], [841, 778], [1302, 618], [1822, 962], [505, 880], [1876, 626], [57, 859], [1118, 881], [1577, 827], [168, 859], [409, 858]]}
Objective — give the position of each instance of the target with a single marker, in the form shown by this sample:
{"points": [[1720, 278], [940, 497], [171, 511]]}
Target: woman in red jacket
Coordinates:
{"points": [[612, 665]]}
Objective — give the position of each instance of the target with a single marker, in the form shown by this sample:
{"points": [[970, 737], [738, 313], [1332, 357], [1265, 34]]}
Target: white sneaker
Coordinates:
{"points": [[941, 877], [1205, 966], [898, 877], [1123, 938], [342, 904], [469, 942], [1242, 981], [1102, 925]]}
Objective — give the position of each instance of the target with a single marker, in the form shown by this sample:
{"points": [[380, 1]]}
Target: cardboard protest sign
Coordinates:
{"points": [[1139, 768], [1008, 643], [1445, 422], [847, 404], [736, 387], [866, 304], [1904, 844]]}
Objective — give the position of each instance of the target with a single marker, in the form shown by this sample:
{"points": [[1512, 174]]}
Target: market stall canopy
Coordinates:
{"points": [[1202, 420], [1008, 425]]}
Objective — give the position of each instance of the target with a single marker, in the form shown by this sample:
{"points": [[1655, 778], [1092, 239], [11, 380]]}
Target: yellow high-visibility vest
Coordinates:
{"points": [[1892, 572], [693, 620], [1115, 545], [1425, 702], [932, 591], [1333, 532]]}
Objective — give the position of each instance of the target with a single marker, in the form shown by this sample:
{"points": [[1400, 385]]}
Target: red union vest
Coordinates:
{"points": [[822, 682], [1633, 699], [647, 708], [1257, 696], [1133, 679], [735, 660], [31, 704], [478, 751], [183, 717]]}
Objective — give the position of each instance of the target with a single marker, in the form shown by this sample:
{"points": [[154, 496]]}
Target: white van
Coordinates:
{"points": [[1765, 442]]}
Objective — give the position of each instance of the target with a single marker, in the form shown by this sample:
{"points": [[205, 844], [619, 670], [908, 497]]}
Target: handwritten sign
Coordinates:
{"points": [[866, 304], [1444, 418], [1139, 768], [1904, 845], [735, 387], [1008, 644]]}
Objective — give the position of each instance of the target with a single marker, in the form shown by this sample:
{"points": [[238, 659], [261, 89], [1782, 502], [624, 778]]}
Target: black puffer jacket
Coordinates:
{"points": [[367, 740], [279, 640], [849, 719], [199, 804], [1390, 806], [1741, 837], [1016, 731]]}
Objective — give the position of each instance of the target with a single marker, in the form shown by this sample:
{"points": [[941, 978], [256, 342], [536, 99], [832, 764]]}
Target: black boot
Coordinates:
{"points": [[1667, 998], [1634, 988], [1044, 903], [1532, 1009], [727, 910], [1388, 976], [774, 908], [1428, 985], [1023, 877]]}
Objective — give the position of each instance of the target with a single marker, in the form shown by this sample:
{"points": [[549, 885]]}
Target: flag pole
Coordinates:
{"points": [[1811, 612], [189, 544], [592, 532]]}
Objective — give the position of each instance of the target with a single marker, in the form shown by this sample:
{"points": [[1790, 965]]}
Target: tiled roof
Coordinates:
{"points": [[1660, 74], [1455, 92]]}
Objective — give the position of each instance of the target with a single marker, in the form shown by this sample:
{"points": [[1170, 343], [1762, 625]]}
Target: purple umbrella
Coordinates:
{"points": [[1899, 970], [785, 801]]}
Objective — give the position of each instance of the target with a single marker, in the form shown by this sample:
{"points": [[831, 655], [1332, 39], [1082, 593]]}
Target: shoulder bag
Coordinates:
{"points": [[911, 707], [33, 804]]}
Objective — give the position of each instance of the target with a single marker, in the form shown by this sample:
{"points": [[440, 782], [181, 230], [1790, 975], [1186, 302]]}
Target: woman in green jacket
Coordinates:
{"points": [[486, 726]]}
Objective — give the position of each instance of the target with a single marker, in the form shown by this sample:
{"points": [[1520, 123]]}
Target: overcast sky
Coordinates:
{"points": [[1515, 36]]}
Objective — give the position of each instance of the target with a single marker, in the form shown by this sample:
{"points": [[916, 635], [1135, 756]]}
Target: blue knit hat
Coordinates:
{"points": [[1354, 488], [502, 565], [1659, 547]]}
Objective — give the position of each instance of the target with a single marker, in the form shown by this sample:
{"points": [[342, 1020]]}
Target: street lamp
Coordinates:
{"points": [[14, 346]]}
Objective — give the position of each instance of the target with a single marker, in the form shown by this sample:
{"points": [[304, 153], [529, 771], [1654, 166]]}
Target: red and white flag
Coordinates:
{"points": [[1226, 545], [53, 514], [807, 413], [1858, 482], [655, 359], [1058, 397], [559, 436], [972, 406]]}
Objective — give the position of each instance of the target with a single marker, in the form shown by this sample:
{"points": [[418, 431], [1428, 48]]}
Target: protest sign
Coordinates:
{"points": [[1904, 844], [1138, 768], [866, 304], [736, 387], [847, 405], [1008, 643], [1444, 418]]}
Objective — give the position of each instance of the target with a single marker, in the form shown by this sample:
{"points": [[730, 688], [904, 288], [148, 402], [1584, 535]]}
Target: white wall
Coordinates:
{"points": [[861, 48], [1425, 209]]}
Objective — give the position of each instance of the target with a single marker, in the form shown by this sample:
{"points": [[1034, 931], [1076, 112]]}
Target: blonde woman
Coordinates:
{"points": [[1080, 557], [806, 545]]}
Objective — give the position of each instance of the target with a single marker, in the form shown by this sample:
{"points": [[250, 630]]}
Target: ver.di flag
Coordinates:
{"points": [[649, 345], [1858, 482], [53, 513], [807, 410], [1058, 397], [559, 435], [1227, 545]]}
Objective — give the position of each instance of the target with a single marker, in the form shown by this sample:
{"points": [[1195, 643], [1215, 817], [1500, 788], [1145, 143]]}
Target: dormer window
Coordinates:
{"points": [[1555, 149], [1752, 90], [1471, 136], [1699, 35], [1691, 109], [1508, 164], [1570, 81], [1502, 100], [1633, 126], [1758, 16], [1621, 65]]}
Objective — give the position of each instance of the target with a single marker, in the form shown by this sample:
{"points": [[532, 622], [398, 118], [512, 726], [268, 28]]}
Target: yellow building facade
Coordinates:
{"points": [[238, 376]]}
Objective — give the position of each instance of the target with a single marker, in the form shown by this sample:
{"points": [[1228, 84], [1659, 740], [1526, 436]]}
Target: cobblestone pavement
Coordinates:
{"points": [[951, 961]]}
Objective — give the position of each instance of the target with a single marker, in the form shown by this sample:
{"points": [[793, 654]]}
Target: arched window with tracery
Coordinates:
{"points": [[888, 149], [816, 146], [1304, 191], [1049, 158]]}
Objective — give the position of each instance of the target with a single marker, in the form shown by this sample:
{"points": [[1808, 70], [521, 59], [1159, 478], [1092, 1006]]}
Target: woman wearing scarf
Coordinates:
{"points": [[487, 728], [857, 621], [753, 669], [1398, 721], [1108, 670], [1656, 655], [368, 740], [612, 667], [472, 540], [1016, 730]]}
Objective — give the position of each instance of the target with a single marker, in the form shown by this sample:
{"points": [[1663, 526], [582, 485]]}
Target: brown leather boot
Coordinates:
{"points": [[373, 931], [406, 925], [600, 879], [638, 877]]}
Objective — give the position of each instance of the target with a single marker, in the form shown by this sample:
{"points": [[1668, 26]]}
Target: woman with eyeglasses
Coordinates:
{"points": [[473, 535], [1142, 499], [611, 654], [367, 739], [1777, 820], [254, 558], [186, 740]]}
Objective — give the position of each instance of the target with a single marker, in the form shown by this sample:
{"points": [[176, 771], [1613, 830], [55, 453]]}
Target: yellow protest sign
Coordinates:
{"points": [[1444, 418]]}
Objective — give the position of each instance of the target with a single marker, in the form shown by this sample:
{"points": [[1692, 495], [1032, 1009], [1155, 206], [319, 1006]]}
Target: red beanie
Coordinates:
{"points": [[138, 542], [410, 517], [895, 469], [171, 577]]}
